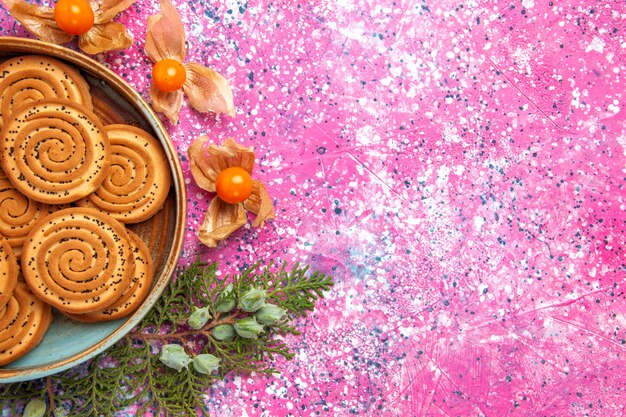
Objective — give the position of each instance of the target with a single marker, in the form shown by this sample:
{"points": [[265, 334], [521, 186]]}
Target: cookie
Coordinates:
{"points": [[8, 271], [136, 292], [78, 260], [138, 180], [36, 77], [23, 323], [54, 151], [18, 214]]}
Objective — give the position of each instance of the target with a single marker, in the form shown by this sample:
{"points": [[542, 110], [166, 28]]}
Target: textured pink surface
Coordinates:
{"points": [[459, 167]]}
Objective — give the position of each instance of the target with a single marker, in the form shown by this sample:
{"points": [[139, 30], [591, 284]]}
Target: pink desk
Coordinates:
{"points": [[458, 167]]}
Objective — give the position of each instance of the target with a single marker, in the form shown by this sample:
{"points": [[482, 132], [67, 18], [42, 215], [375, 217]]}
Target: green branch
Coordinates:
{"points": [[243, 315]]}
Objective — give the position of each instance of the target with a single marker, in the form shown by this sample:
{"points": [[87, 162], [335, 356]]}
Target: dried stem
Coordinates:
{"points": [[50, 393]]}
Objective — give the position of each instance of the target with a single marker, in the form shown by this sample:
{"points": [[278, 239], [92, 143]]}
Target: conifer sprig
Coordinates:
{"points": [[236, 332]]}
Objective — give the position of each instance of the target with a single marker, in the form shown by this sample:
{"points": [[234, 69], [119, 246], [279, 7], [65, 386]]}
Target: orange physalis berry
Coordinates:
{"points": [[74, 16], [233, 185], [168, 75]]}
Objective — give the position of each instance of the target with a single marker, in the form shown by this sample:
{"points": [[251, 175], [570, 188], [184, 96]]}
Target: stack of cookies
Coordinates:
{"points": [[69, 185]]}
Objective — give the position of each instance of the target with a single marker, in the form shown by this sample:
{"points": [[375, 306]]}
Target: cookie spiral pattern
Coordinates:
{"points": [[54, 151], [18, 214], [8, 271], [134, 294], [138, 179], [23, 323], [35, 77], [78, 260]]}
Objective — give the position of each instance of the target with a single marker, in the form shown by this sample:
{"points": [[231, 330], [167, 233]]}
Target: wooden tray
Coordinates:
{"points": [[68, 343]]}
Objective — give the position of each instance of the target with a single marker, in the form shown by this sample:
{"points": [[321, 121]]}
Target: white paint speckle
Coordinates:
{"points": [[479, 221], [597, 45], [443, 173], [614, 107]]}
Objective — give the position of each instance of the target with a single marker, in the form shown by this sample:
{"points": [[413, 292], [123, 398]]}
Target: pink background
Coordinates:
{"points": [[458, 167]]}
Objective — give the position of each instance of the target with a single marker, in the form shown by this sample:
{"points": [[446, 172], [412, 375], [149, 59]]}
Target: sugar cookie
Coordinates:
{"points": [[136, 292], [23, 323], [9, 271], [55, 151], [18, 213], [36, 77], [139, 177], [78, 260]]}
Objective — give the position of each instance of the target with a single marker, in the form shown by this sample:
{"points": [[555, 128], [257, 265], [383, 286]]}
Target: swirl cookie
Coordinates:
{"points": [[35, 77], [23, 323], [78, 260], [54, 151], [138, 180], [8, 271], [137, 291], [18, 214]]}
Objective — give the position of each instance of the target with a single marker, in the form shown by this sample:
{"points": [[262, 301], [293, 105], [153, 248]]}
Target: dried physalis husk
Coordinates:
{"points": [[208, 160], [223, 218], [260, 204], [220, 221], [93, 25], [206, 89]]}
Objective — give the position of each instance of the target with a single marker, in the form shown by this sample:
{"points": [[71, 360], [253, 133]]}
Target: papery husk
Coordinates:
{"points": [[106, 10], [105, 37], [208, 161], [207, 90], [168, 103], [165, 36], [260, 204], [220, 221], [197, 162], [38, 20]]}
